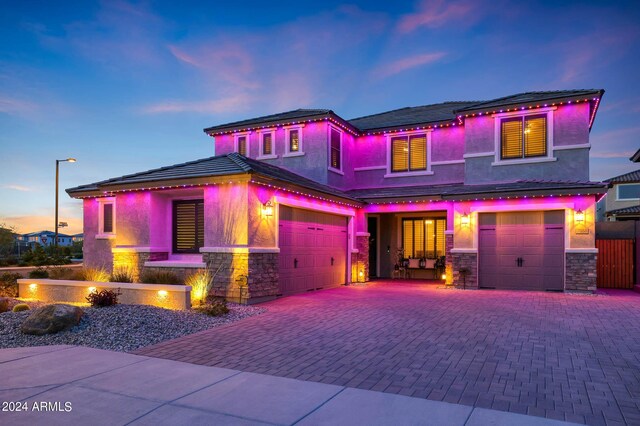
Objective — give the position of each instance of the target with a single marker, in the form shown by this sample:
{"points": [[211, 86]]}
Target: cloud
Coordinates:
{"points": [[21, 188], [13, 106], [232, 104], [437, 13], [407, 63], [26, 224]]}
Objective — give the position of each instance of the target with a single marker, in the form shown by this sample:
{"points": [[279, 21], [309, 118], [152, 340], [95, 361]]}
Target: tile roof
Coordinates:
{"points": [[460, 190], [271, 119], [626, 178], [532, 98], [410, 116], [630, 211], [221, 165], [635, 157]]}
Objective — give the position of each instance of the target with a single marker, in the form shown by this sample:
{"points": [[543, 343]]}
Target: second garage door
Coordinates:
{"points": [[521, 250], [313, 250]]}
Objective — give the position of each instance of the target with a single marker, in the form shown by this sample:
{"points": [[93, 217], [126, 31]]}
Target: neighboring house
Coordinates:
{"points": [[498, 191], [623, 198], [77, 237], [46, 238]]}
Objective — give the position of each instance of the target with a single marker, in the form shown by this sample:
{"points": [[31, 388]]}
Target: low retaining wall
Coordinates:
{"points": [[24, 270], [162, 295]]}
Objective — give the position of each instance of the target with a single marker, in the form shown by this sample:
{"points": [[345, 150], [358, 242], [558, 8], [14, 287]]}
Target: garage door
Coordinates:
{"points": [[313, 250], [521, 250]]}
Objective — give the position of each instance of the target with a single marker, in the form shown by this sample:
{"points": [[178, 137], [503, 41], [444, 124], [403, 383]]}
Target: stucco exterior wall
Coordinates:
{"points": [[96, 252], [226, 215], [612, 203], [133, 214]]}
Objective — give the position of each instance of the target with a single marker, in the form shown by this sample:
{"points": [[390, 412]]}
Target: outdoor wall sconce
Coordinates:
{"points": [[465, 220], [267, 209], [578, 217]]}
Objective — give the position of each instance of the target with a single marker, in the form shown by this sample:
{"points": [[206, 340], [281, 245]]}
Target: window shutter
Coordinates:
{"points": [[408, 238], [440, 241], [535, 136], [294, 141], [418, 226], [418, 152], [242, 145], [107, 218], [511, 138], [430, 238], [188, 226], [335, 149], [399, 154], [266, 144]]}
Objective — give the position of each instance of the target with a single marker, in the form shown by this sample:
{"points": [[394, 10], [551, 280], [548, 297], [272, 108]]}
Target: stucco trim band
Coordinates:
{"points": [[581, 250], [239, 250]]}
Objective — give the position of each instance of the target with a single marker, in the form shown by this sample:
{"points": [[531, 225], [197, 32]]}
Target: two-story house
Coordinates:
{"points": [[495, 192]]}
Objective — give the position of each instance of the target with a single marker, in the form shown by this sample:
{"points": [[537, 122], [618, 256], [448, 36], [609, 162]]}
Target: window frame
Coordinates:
{"points": [[261, 154], [625, 184], [341, 133], [174, 229], [423, 172], [423, 220], [236, 142], [287, 141], [101, 203], [498, 118]]}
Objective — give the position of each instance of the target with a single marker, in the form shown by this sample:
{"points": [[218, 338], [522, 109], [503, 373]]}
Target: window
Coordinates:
{"points": [[188, 226], [267, 144], [423, 237], [241, 145], [293, 145], [106, 218], [523, 137], [335, 159], [409, 153], [267, 140], [294, 140], [629, 192]]}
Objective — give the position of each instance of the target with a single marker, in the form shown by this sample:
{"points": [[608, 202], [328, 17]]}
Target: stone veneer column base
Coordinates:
{"points": [[243, 277], [130, 261], [468, 261], [580, 271], [448, 259], [360, 260]]}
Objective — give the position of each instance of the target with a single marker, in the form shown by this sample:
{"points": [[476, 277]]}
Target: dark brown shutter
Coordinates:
{"points": [[107, 218], [511, 138], [335, 149], [399, 154], [188, 226], [535, 136], [418, 152], [242, 145], [266, 144], [294, 141]]}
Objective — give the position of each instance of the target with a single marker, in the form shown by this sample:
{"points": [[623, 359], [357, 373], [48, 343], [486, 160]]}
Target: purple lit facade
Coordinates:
{"points": [[462, 216]]}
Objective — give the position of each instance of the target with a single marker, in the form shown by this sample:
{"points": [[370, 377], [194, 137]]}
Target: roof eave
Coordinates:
{"points": [[506, 103], [422, 125], [525, 193]]}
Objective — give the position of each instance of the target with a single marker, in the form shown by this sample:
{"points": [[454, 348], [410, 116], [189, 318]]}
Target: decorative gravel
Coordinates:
{"points": [[122, 328]]}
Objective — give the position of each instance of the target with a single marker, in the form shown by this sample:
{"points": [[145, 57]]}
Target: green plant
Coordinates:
{"points": [[103, 298], [21, 307], [122, 274], [99, 275], [39, 273], [214, 308], [151, 276], [60, 273], [9, 284]]}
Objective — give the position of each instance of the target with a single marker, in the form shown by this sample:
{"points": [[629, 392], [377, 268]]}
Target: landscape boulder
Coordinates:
{"points": [[52, 319], [4, 304]]}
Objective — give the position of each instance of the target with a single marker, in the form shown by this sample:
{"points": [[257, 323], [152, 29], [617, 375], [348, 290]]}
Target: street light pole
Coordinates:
{"points": [[70, 160]]}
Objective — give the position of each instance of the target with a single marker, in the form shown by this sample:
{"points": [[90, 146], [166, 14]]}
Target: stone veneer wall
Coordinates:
{"points": [[469, 261], [448, 260], [243, 276], [130, 260], [581, 271], [360, 259]]}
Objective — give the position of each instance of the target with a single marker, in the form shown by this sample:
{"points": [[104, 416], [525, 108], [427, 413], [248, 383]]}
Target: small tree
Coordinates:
{"points": [[7, 240]]}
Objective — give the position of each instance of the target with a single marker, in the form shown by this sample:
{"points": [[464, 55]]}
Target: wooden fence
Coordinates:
{"points": [[615, 266]]}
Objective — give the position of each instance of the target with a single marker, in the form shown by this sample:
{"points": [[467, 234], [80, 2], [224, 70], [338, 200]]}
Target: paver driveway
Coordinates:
{"points": [[562, 356]]}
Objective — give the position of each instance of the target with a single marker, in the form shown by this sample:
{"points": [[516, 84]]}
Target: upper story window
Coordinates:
{"points": [[106, 218], [267, 141], [523, 137], [335, 149], [241, 144], [188, 226], [628, 192], [293, 141], [408, 153]]}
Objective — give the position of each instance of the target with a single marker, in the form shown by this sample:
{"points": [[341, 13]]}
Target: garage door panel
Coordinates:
{"points": [[521, 235]]}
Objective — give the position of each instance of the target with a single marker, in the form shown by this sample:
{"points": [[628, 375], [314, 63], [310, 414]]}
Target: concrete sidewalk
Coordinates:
{"points": [[90, 386]]}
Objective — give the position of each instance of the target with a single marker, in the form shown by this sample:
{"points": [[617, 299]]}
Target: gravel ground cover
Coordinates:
{"points": [[121, 328]]}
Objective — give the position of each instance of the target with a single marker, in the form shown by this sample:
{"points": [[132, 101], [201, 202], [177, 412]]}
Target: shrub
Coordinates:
{"points": [[21, 307], [122, 275], [159, 277], [60, 273], [9, 284], [39, 273], [214, 308], [200, 282], [103, 298], [93, 274]]}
